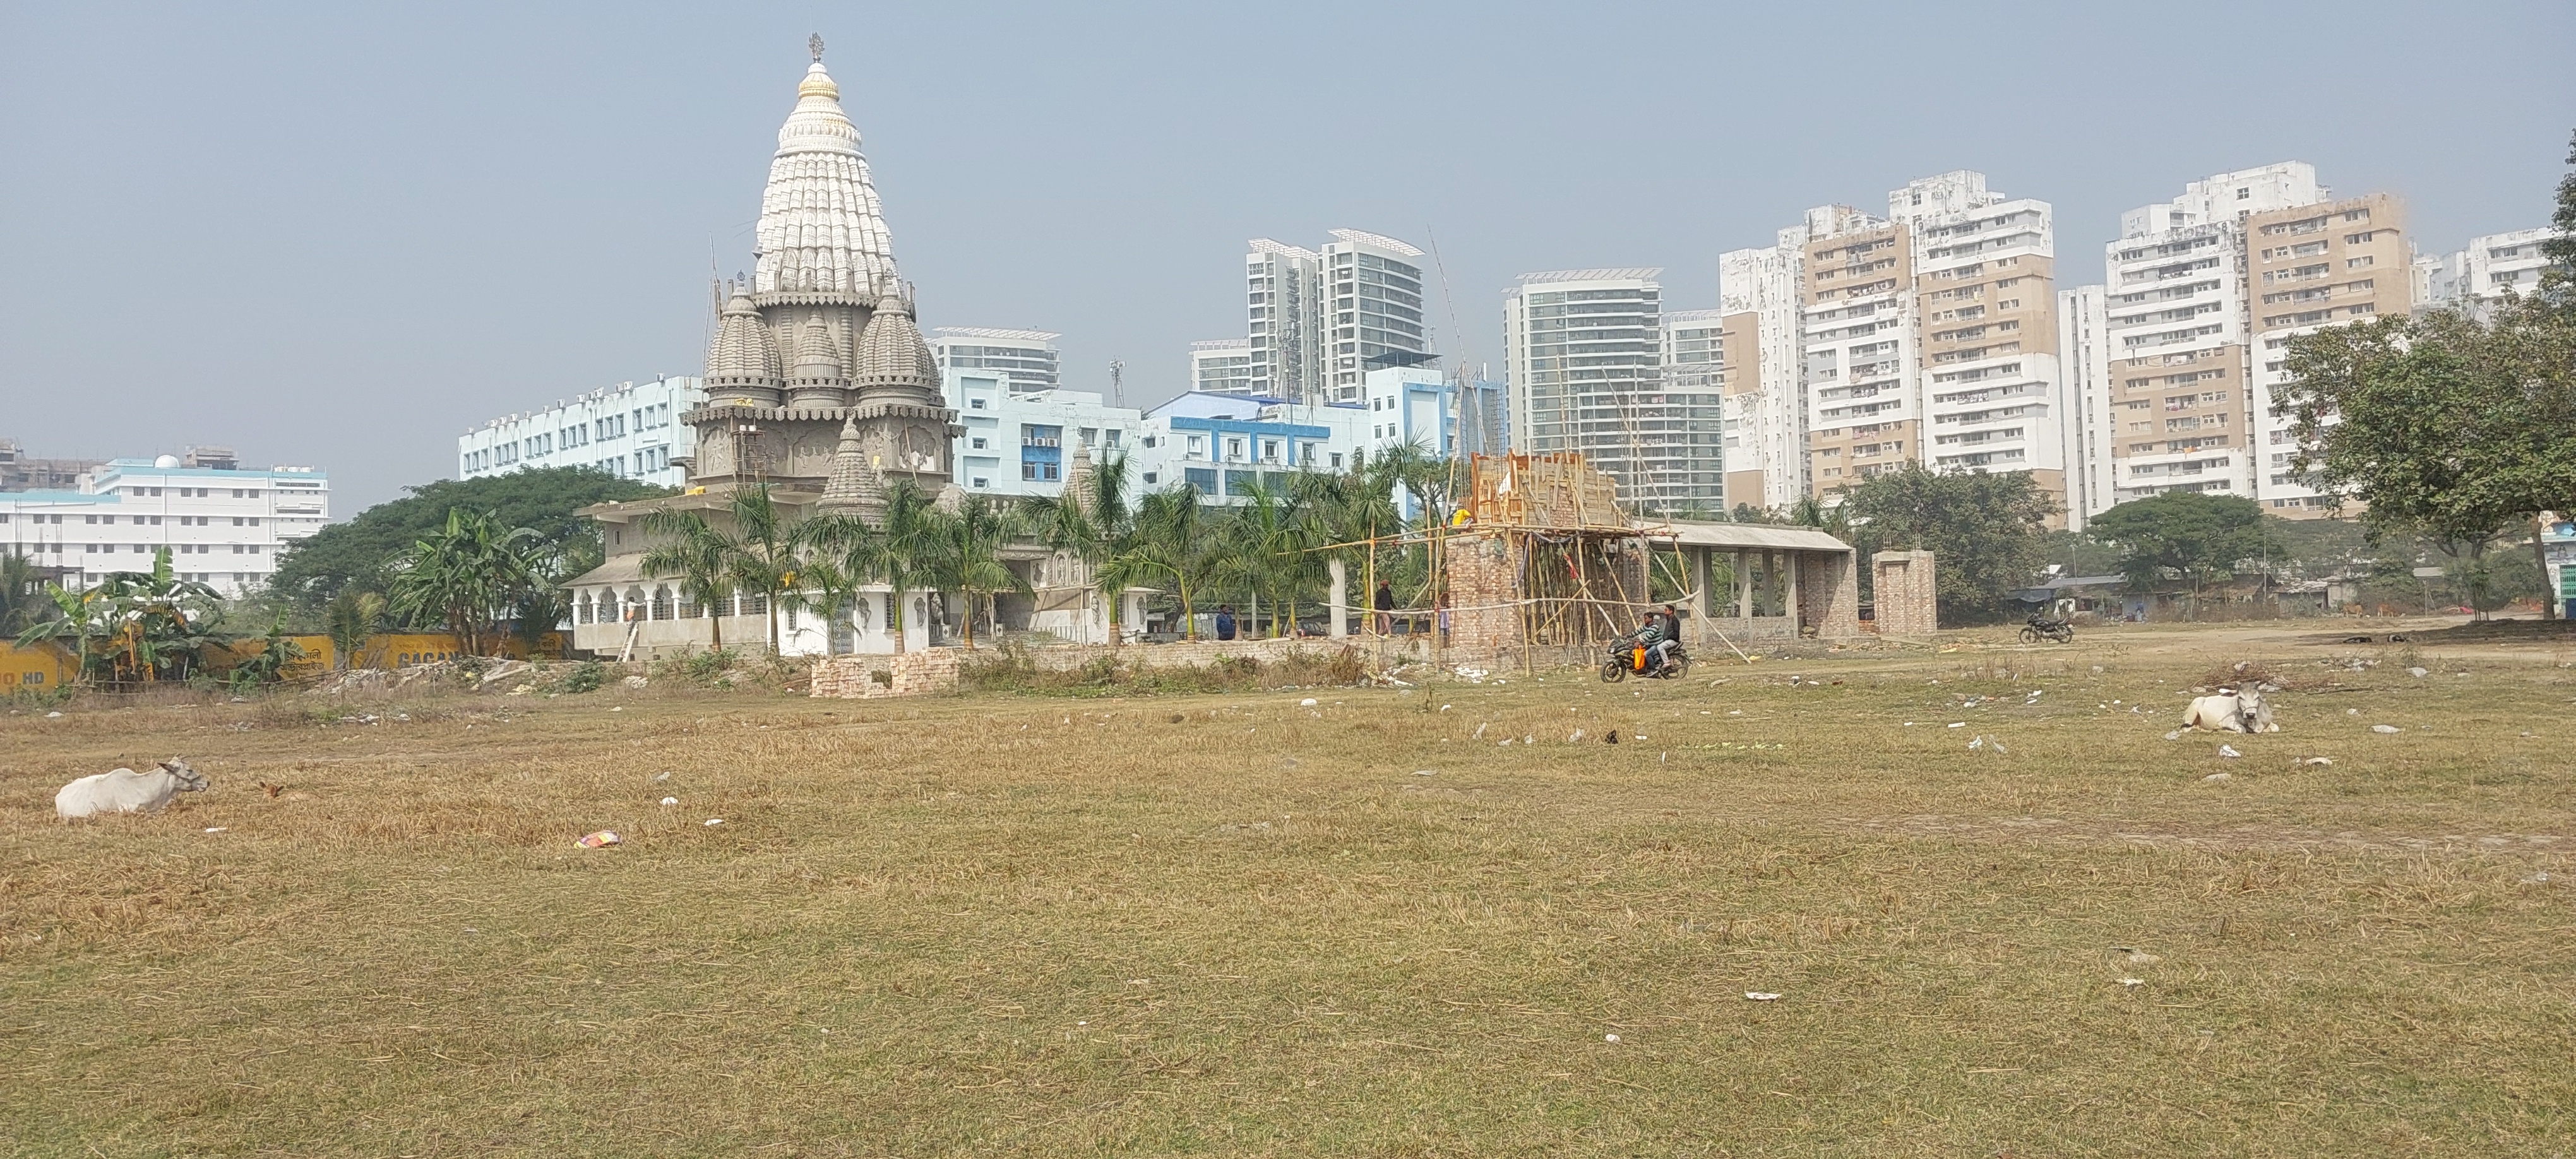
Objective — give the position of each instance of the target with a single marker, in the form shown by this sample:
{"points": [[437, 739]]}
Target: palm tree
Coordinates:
{"points": [[1265, 541], [967, 558], [758, 554], [1096, 524], [22, 596], [895, 553], [349, 619], [1169, 543], [824, 586]]}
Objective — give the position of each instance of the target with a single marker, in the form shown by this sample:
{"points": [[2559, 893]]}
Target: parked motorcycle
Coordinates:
{"points": [[1629, 657], [2040, 628]]}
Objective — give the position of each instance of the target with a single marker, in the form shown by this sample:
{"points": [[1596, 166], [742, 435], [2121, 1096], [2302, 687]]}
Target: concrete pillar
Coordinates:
{"points": [[1704, 602], [1744, 586], [1339, 598], [1789, 602]]}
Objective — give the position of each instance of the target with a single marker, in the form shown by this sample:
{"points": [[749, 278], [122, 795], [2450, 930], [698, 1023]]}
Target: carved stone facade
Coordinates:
{"points": [[818, 371]]}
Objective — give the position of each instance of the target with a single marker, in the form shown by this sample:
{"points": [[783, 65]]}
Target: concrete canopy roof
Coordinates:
{"points": [[1750, 536]]}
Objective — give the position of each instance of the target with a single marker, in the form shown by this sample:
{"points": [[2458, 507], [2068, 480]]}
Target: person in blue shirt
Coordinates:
{"points": [[1225, 621]]}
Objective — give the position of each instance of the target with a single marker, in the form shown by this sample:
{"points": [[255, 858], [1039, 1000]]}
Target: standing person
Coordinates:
{"points": [[1225, 621], [1385, 609]]}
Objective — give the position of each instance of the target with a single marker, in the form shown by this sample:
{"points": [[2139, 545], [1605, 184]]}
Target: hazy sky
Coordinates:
{"points": [[340, 235]]}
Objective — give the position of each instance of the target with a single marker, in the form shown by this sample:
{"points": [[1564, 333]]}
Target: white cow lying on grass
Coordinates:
{"points": [[2231, 710], [127, 791]]}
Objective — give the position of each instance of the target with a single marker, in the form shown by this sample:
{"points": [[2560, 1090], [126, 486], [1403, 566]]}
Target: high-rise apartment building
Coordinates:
{"points": [[1283, 292], [1583, 356], [1762, 381], [2309, 267], [1319, 322], [1373, 321], [1028, 356], [2487, 270], [2089, 428], [1222, 366], [2176, 329], [1986, 298], [2202, 296], [1857, 344]]}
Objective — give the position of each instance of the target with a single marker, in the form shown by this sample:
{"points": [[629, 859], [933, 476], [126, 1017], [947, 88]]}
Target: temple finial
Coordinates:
{"points": [[814, 44]]}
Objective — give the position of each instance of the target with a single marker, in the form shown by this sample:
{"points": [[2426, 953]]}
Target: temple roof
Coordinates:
{"points": [[821, 228]]}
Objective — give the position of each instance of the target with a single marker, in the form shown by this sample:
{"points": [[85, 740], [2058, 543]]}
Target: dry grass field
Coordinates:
{"points": [[1235, 925]]}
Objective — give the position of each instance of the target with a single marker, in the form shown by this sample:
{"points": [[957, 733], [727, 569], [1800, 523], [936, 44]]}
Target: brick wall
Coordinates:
{"points": [[1484, 586], [1829, 593], [903, 674], [1902, 583]]}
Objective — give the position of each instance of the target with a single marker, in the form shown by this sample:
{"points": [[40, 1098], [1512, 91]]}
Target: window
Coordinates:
{"points": [[974, 404], [978, 443], [981, 481]]}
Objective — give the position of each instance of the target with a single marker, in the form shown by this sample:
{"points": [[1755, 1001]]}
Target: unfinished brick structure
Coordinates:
{"points": [[898, 674], [1902, 584]]}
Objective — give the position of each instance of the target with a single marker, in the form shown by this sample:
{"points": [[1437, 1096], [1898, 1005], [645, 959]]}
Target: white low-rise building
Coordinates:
{"points": [[222, 525], [630, 430]]}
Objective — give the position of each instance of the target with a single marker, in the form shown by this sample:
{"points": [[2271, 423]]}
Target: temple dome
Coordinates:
{"points": [[741, 354], [892, 352]]}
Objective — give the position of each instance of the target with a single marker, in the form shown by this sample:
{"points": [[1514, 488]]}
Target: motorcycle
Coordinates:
{"points": [[2040, 628], [1629, 657]]}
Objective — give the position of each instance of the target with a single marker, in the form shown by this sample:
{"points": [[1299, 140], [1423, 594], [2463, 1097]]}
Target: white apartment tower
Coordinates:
{"points": [[1283, 292], [2089, 428], [1028, 356], [2488, 270], [1986, 296], [1373, 288], [1319, 322], [1686, 426], [1582, 355], [1765, 400]]}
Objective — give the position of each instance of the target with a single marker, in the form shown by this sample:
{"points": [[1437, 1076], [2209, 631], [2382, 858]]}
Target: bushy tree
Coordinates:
{"points": [[469, 576], [2200, 537], [1982, 528], [359, 554]]}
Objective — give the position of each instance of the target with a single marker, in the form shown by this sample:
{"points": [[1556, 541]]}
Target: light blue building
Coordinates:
{"points": [[630, 430]]}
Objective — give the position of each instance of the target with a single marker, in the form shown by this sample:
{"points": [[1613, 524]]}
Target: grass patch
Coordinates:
{"points": [[1233, 924], [1011, 670]]}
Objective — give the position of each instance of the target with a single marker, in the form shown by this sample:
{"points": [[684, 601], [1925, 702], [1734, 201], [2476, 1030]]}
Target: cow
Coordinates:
{"points": [[2231, 710], [127, 791]]}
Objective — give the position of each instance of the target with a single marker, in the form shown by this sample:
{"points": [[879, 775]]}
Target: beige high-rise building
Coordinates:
{"points": [[1861, 349], [2310, 267], [2203, 294], [1928, 336]]}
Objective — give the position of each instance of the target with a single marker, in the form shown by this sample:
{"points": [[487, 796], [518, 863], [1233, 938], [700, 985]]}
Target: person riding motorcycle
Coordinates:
{"points": [[1661, 634]]}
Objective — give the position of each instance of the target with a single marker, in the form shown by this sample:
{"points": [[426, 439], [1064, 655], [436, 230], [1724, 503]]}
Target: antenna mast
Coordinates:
{"points": [[1117, 382]]}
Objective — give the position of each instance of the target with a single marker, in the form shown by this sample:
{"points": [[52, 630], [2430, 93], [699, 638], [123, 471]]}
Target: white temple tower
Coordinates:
{"points": [[817, 357]]}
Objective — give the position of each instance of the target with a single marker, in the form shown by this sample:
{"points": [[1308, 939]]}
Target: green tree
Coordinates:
{"points": [[2200, 537], [348, 620], [1983, 530], [133, 626], [1170, 545], [1095, 521], [2558, 282], [896, 551], [967, 555], [756, 551], [22, 594], [469, 576], [360, 552]]}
